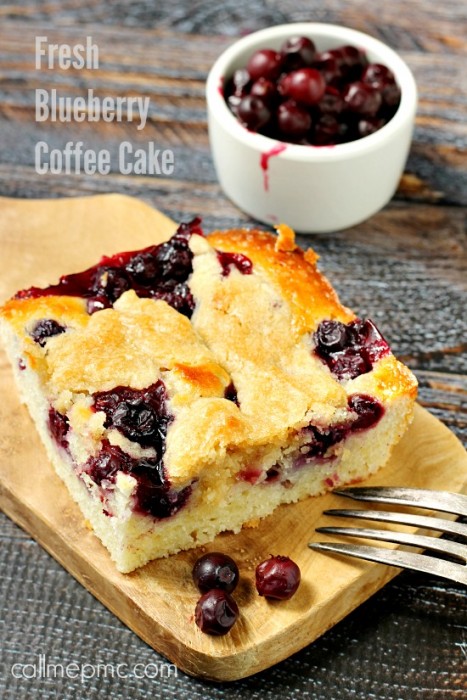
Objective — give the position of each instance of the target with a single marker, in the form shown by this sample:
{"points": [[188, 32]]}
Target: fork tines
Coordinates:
{"points": [[420, 498]]}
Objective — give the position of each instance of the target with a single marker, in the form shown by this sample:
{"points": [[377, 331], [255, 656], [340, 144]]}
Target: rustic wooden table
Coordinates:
{"points": [[405, 267]]}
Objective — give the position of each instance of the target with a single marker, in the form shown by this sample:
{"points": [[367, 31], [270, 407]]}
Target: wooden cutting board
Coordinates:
{"points": [[39, 240]]}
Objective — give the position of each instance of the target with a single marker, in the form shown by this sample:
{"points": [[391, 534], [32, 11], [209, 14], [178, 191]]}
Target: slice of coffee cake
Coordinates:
{"points": [[192, 387]]}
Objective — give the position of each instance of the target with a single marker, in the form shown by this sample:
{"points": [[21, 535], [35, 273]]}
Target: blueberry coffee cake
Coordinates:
{"points": [[191, 387]]}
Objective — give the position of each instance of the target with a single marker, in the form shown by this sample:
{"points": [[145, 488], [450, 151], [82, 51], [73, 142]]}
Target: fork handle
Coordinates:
{"points": [[444, 501]]}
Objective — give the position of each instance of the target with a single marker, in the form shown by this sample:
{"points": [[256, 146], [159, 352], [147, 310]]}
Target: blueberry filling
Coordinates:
{"points": [[110, 282], [58, 427], [158, 272], [319, 442], [141, 416], [349, 350], [230, 393], [369, 411], [44, 329], [272, 474], [153, 494], [143, 268], [177, 295], [237, 260]]}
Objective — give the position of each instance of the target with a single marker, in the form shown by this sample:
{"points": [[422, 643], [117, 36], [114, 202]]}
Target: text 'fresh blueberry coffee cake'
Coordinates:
{"points": [[191, 387]]}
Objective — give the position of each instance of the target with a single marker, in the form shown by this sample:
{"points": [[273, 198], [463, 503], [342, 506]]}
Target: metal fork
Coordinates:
{"points": [[443, 501]]}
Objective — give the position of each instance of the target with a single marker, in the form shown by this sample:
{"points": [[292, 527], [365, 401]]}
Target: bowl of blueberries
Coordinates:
{"points": [[310, 124]]}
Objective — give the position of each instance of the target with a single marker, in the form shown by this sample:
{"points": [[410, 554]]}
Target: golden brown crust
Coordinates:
{"points": [[210, 379], [285, 240], [131, 344], [307, 291], [393, 379], [23, 312], [251, 330]]}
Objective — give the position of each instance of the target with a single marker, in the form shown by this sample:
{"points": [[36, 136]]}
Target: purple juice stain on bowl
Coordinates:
{"points": [[265, 158]]}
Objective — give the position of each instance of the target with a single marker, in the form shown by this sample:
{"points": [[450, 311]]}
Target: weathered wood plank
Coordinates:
{"points": [[397, 22], [171, 71]]}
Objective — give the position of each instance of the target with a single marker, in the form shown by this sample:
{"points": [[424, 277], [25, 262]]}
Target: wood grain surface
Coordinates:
{"points": [[157, 601], [406, 267]]}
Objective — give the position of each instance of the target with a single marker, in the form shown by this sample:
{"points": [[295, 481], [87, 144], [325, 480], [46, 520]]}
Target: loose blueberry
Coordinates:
{"points": [[391, 93], [216, 612], [233, 101], [277, 577], [354, 61], [215, 570], [339, 56], [337, 83]]}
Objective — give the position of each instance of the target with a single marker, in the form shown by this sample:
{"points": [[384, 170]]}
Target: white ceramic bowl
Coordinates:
{"points": [[313, 189]]}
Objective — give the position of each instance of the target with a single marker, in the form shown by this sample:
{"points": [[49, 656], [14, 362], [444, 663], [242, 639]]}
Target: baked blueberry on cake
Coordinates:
{"points": [[191, 387]]}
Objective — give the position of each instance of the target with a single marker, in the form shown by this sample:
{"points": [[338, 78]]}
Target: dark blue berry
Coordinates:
{"points": [[44, 329], [216, 612], [215, 570]]}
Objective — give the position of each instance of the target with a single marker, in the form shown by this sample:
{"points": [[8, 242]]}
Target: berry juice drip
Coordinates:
{"points": [[158, 272]]}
